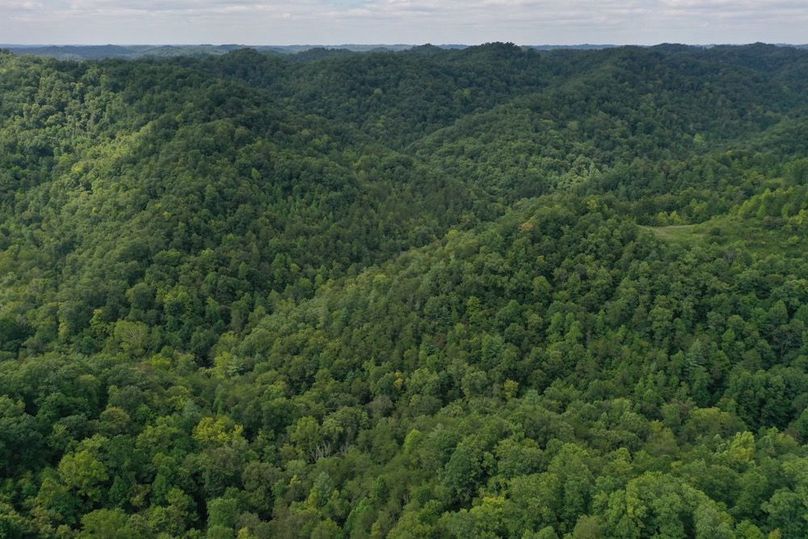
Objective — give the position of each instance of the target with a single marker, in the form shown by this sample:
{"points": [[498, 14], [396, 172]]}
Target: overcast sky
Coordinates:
{"points": [[263, 22]]}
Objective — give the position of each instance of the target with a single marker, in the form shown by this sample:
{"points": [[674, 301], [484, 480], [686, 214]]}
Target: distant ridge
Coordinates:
{"points": [[132, 52], [95, 52]]}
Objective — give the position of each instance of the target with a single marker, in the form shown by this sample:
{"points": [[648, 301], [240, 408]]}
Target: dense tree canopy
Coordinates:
{"points": [[489, 292]]}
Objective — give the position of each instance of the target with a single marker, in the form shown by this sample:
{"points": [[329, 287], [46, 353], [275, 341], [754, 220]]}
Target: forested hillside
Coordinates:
{"points": [[485, 292]]}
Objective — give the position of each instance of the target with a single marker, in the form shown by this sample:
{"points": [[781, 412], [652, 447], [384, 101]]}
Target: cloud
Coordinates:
{"points": [[415, 21]]}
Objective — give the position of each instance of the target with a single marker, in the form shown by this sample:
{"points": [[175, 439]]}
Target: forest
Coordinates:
{"points": [[491, 292]]}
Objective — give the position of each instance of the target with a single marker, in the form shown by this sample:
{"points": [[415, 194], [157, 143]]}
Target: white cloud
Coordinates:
{"points": [[414, 21]]}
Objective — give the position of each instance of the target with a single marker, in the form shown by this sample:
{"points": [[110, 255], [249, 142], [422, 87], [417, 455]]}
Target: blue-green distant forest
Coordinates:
{"points": [[470, 293], [96, 52]]}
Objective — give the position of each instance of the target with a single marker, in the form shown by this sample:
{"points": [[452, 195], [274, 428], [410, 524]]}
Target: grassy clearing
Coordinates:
{"points": [[675, 233], [735, 233]]}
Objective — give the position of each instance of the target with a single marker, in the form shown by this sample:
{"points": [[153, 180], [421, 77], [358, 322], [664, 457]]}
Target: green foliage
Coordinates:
{"points": [[488, 292]]}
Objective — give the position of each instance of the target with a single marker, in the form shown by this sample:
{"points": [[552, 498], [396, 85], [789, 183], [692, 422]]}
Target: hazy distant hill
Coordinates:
{"points": [[94, 52], [97, 52]]}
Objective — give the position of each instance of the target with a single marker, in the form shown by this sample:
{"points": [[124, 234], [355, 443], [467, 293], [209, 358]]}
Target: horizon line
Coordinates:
{"points": [[402, 44]]}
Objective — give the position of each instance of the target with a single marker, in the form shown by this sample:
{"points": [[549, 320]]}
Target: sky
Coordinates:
{"points": [[331, 22]]}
